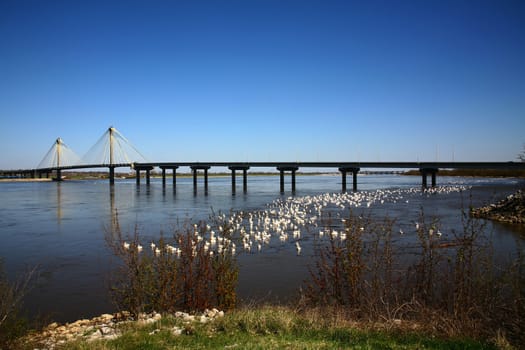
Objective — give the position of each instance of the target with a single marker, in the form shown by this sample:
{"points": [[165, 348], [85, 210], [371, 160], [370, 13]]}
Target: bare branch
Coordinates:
{"points": [[12, 294]]}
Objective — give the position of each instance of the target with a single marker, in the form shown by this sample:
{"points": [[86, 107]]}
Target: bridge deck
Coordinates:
{"points": [[404, 165], [241, 165], [426, 168]]}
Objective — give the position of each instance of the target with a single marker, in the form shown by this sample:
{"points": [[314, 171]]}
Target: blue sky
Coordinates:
{"points": [[265, 80]]}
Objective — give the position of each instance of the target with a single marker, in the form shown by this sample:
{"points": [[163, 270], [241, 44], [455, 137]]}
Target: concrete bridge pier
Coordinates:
{"points": [[244, 177], [174, 171], [282, 169], [195, 169], [146, 168], [59, 175], [111, 175], [354, 172], [245, 180], [424, 174], [148, 178]]}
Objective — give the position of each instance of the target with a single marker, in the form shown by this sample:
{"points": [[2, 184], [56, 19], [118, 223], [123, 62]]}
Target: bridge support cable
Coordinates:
{"points": [[59, 156], [112, 149]]}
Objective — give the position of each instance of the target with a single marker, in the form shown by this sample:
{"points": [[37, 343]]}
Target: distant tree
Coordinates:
{"points": [[521, 156]]}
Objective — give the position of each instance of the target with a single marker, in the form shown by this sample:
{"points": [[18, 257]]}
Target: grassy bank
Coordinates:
{"points": [[275, 328]]}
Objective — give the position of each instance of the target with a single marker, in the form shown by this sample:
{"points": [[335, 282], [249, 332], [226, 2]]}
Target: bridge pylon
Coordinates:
{"points": [[58, 157], [111, 130], [58, 147], [112, 150]]}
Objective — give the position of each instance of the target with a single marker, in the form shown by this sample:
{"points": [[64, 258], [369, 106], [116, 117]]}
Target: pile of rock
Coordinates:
{"points": [[510, 210], [106, 327]]}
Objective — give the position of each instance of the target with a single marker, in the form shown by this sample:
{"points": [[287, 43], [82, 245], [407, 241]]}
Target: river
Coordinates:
{"points": [[60, 228]]}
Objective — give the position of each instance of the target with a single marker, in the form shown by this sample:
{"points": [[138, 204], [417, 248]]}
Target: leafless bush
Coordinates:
{"points": [[181, 273], [450, 283], [12, 295]]}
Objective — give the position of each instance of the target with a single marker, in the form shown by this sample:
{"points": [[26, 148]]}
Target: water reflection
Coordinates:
{"points": [[59, 202], [113, 210]]}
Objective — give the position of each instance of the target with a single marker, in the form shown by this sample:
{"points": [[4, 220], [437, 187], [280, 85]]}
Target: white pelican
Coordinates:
{"points": [[298, 248]]}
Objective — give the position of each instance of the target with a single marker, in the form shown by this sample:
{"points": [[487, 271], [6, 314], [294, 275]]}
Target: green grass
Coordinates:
{"points": [[272, 328]]}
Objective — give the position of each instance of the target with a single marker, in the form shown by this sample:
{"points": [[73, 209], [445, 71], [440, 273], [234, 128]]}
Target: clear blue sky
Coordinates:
{"points": [[265, 80]]}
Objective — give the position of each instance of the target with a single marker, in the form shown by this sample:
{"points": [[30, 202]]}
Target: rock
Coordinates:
{"points": [[188, 318], [211, 313], [94, 336], [106, 317], [103, 327], [510, 210], [106, 330], [52, 325], [74, 329], [111, 336], [155, 331], [180, 314], [123, 316]]}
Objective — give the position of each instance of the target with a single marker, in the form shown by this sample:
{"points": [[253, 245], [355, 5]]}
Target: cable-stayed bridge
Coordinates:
{"points": [[113, 150]]}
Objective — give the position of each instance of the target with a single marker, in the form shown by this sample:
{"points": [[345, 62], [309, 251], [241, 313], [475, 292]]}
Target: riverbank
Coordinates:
{"points": [[25, 180], [265, 327], [509, 210]]}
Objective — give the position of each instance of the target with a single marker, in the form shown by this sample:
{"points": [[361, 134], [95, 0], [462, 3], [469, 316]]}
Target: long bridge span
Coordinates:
{"points": [[201, 168], [113, 155], [425, 168]]}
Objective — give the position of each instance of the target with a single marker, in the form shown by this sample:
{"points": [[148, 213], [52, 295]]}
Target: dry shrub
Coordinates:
{"points": [[12, 294], [354, 270], [184, 273], [447, 284]]}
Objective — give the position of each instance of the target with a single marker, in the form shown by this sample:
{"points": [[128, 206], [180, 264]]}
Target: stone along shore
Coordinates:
{"points": [[509, 210], [108, 326]]}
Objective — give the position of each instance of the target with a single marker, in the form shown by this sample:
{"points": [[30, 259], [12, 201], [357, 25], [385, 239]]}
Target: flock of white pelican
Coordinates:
{"points": [[287, 221]]}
